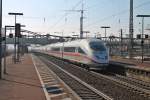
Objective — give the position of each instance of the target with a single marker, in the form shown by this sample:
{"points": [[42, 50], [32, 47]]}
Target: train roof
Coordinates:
{"points": [[74, 43]]}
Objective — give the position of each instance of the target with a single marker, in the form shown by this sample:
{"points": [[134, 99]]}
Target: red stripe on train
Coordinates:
{"points": [[72, 54]]}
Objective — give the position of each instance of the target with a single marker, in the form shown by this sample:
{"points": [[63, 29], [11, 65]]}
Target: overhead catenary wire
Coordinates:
{"points": [[100, 20], [116, 14], [64, 15]]}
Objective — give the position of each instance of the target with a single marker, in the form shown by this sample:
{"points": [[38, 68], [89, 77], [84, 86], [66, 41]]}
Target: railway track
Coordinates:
{"points": [[54, 88], [85, 91], [114, 89], [127, 84], [136, 82], [130, 80]]}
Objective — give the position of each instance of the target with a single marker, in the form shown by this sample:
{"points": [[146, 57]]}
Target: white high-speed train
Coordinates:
{"points": [[91, 53]]}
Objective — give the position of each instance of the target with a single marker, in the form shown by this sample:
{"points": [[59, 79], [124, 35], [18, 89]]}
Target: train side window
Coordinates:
{"points": [[55, 49], [81, 51], [69, 49], [76, 49]]}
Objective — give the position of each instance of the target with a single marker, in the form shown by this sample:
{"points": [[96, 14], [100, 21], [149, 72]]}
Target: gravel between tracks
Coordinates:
{"points": [[108, 87]]}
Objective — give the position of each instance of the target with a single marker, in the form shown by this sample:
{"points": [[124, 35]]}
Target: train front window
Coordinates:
{"points": [[97, 46]]}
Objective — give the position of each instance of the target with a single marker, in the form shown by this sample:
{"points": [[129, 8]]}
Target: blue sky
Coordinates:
{"points": [[97, 13]]}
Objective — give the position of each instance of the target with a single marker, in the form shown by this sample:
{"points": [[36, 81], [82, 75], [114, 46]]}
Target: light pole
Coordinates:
{"points": [[142, 41], [131, 30], [15, 14], [121, 42], [63, 45], [1, 39], [105, 27], [19, 36], [7, 26]]}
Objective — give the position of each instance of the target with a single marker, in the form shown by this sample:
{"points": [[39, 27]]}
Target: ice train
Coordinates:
{"points": [[91, 53]]}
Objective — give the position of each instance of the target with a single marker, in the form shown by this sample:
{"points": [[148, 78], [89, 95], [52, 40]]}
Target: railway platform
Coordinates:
{"points": [[134, 68], [21, 81], [30, 79], [134, 63]]}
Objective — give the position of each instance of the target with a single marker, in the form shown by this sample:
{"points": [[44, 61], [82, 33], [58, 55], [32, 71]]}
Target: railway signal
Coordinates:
{"points": [[142, 38], [16, 33], [138, 36], [17, 30], [10, 35], [145, 36]]}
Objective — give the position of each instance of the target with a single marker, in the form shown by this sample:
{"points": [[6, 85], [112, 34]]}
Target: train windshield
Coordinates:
{"points": [[97, 46]]}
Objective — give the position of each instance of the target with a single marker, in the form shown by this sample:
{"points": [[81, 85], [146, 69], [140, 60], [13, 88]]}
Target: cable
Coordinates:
{"points": [[62, 17], [119, 13]]}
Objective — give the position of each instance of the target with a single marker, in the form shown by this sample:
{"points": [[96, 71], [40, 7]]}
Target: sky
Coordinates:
{"points": [[57, 16]]}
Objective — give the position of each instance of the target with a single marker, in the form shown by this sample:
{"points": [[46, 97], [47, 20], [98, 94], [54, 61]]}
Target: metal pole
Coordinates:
{"points": [[110, 45], [62, 47], [15, 14], [1, 39], [18, 49], [131, 30], [105, 34], [5, 52], [142, 42], [21, 44], [105, 27], [121, 43], [15, 43], [142, 38], [81, 25], [81, 22]]}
